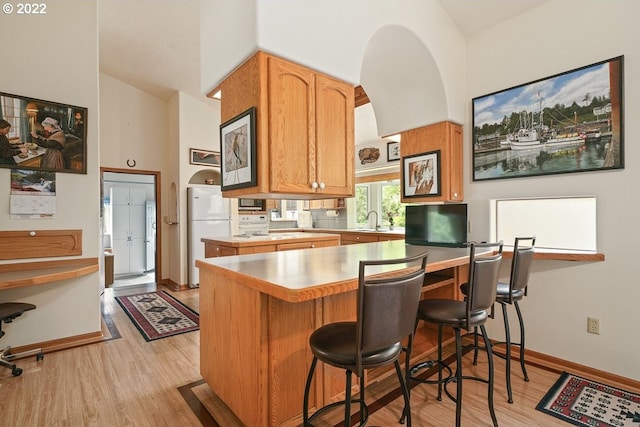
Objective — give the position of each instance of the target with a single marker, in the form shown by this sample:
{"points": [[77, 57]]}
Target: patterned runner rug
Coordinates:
{"points": [[584, 402], [158, 314]]}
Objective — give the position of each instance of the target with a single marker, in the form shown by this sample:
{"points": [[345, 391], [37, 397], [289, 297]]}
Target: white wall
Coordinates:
{"points": [[55, 58], [158, 134], [199, 127], [133, 126], [331, 36], [559, 36]]}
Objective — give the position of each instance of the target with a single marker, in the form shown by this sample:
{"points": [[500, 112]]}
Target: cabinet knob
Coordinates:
{"points": [[314, 185], [313, 246], [322, 185], [455, 195]]}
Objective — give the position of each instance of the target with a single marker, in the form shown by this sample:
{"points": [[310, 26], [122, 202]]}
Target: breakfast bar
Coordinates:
{"points": [[257, 312]]}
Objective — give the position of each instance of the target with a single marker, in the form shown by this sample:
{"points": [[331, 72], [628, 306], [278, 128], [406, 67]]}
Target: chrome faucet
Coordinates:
{"points": [[377, 224]]}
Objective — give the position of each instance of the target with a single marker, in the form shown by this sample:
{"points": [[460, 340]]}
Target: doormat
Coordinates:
{"points": [[158, 314], [584, 402]]}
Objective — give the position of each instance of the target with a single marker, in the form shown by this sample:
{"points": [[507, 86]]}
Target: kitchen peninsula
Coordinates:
{"points": [[257, 312]]}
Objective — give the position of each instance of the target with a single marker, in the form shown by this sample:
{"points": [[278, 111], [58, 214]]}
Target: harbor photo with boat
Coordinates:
{"points": [[569, 122]]}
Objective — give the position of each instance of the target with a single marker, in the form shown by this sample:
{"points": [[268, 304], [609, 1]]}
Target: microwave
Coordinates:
{"points": [[251, 204]]}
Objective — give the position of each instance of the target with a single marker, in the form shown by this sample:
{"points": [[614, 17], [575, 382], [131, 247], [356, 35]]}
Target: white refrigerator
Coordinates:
{"points": [[209, 215]]}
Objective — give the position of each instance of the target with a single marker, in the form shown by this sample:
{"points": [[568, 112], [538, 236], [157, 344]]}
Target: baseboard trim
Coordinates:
{"points": [[63, 343], [555, 364], [173, 286]]}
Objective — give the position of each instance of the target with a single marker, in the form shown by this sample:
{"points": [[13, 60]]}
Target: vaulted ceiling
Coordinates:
{"points": [[154, 45]]}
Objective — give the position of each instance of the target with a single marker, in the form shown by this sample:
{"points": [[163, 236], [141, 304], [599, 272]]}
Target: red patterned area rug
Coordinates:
{"points": [[158, 314], [584, 402]]}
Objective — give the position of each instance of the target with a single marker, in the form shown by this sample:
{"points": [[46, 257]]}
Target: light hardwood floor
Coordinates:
{"points": [[126, 381]]}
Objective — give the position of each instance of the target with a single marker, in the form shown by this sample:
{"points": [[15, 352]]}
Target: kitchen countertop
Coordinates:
{"points": [[307, 275], [280, 237], [340, 230]]}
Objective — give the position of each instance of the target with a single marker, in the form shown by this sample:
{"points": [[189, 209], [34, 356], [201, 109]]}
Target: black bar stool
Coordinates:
{"points": [[386, 311], [473, 312], [8, 312], [511, 293]]}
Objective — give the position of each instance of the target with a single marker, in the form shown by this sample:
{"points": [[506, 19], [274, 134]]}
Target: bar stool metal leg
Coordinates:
{"points": [[458, 377], [522, 364], [488, 345], [507, 338], [305, 406]]}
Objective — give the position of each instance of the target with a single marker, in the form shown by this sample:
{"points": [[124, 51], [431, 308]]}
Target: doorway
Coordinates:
{"points": [[129, 218]]}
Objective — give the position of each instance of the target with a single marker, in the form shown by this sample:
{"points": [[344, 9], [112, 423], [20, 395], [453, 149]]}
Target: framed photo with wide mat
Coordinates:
{"points": [[159, 315], [583, 402]]}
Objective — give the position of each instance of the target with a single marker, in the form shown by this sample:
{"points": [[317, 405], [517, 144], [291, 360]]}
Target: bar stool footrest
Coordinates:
{"points": [[454, 380], [363, 408], [428, 364]]}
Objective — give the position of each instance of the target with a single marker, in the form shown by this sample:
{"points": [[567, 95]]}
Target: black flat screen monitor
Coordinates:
{"points": [[437, 225]]}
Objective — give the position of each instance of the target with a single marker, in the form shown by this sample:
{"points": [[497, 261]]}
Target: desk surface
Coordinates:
{"points": [[19, 275], [303, 275]]}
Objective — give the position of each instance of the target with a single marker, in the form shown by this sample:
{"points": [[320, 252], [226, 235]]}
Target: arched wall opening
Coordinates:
{"points": [[403, 81]]}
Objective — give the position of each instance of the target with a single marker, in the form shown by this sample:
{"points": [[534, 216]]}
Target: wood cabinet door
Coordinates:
{"points": [[291, 112], [334, 136], [324, 204], [445, 137]]}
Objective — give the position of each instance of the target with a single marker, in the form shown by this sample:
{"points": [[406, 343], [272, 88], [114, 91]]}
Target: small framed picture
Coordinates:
{"points": [[393, 151], [204, 157], [421, 175], [238, 149]]}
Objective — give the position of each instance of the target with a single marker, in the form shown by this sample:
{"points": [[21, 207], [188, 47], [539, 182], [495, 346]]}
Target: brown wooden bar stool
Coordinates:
{"points": [[8, 312], [386, 312], [473, 312]]}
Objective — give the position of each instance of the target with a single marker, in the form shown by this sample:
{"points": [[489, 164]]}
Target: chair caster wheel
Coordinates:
{"points": [[16, 372], [39, 356]]}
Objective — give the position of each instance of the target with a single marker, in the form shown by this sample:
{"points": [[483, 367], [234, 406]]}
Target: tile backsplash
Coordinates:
{"points": [[320, 220]]}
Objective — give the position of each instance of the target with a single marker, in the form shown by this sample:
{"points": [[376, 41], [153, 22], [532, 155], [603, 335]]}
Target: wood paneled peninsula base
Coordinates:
{"points": [[257, 313]]}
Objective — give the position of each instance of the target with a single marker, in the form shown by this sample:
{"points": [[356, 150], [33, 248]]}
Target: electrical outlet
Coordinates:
{"points": [[593, 325]]}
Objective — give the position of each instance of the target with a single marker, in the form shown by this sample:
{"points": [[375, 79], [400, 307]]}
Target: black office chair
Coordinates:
{"points": [[8, 312], [386, 312], [468, 314]]}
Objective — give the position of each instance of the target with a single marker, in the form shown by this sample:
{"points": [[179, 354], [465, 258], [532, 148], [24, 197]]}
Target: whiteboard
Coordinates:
{"points": [[567, 223]]}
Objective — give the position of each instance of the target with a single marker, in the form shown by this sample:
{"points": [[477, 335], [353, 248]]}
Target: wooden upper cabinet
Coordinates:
{"points": [[305, 128], [335, 146], [292, 139], [446, 137]]}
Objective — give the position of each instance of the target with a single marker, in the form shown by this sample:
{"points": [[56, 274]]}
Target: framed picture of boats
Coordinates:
{"points": [[566, 123]]}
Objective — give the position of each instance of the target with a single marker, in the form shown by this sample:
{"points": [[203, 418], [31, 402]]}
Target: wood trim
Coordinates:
{"points": [[375, 178], [360, 97], [38, 273], [555, 364], [563, 256], [63, 343], [26, 244], [170, 284], [158, 195]]}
